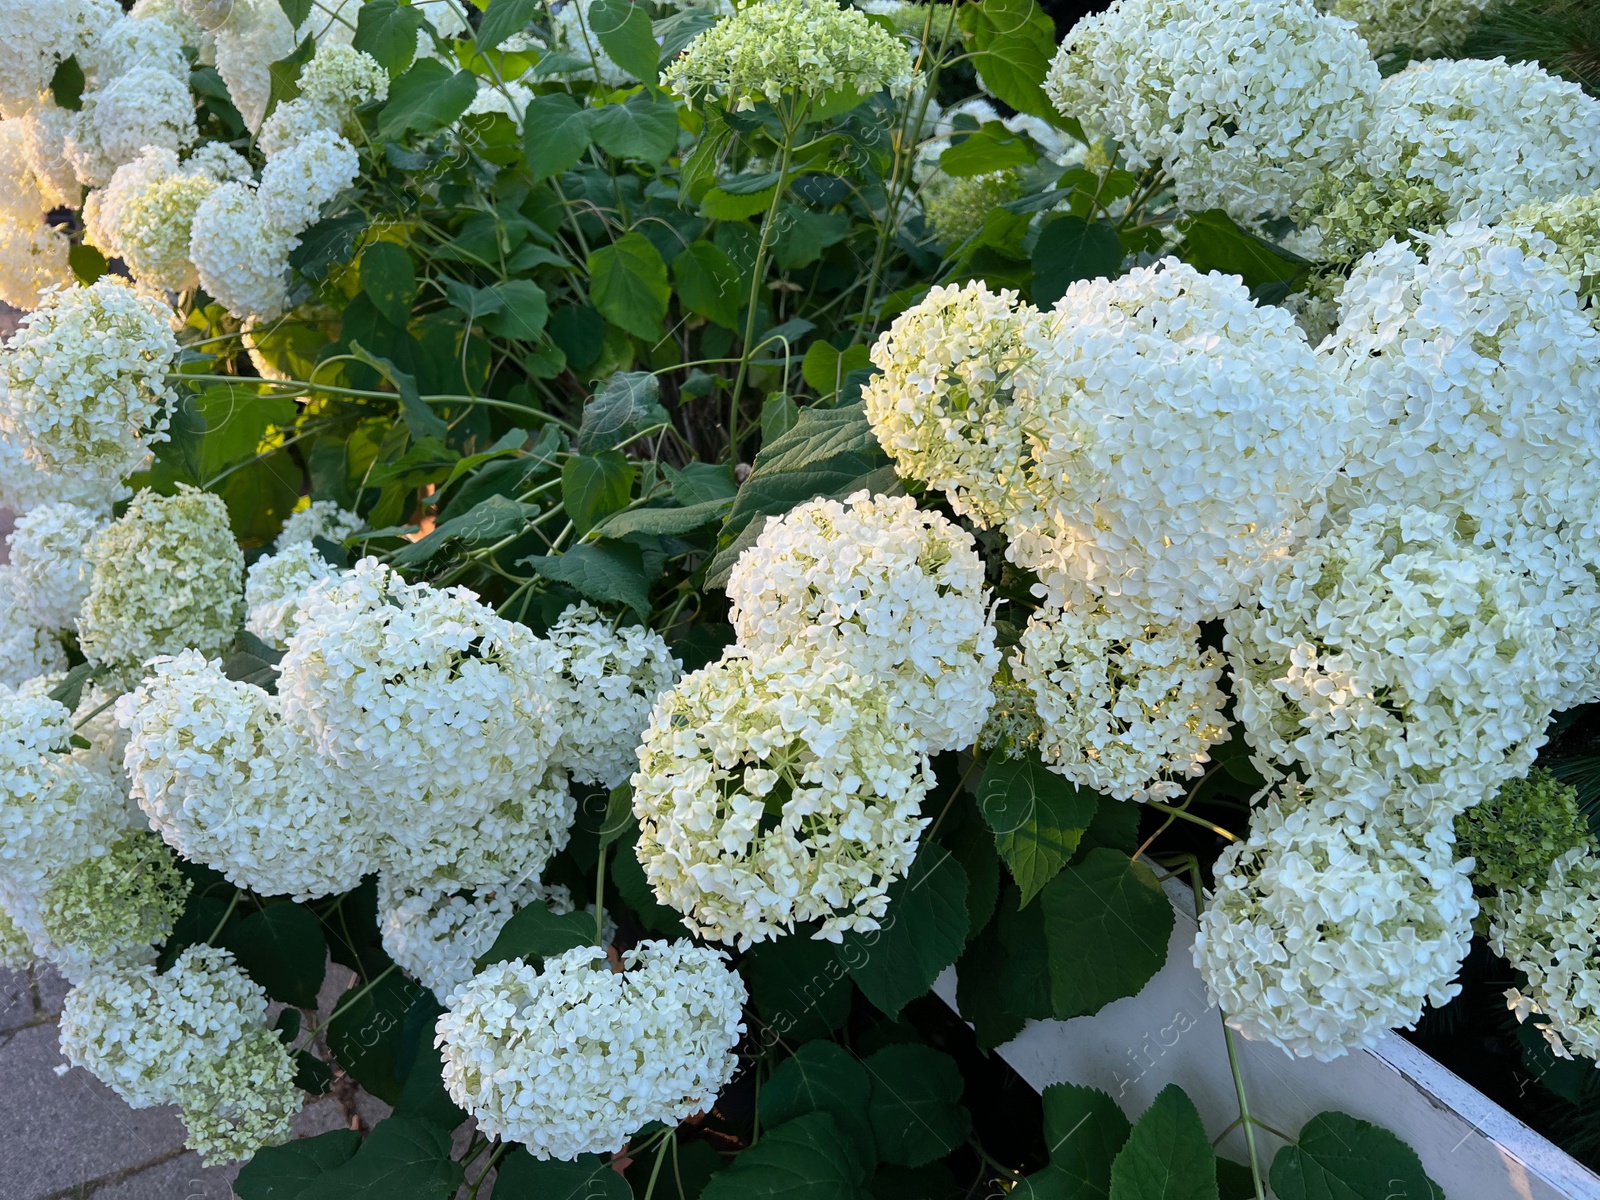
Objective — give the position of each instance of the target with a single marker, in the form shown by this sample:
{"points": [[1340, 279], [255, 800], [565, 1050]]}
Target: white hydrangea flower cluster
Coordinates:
{"points": [[49, 554], [113, 909], [1125, 707], [40, 36], [1572, 224], [613, 677], [572, 35], [1471, 373], [226, 783], [276, 586], [27, 649], [449, 713], [249, 36], [32, 254], [320, 519], [943, 406], [1425, 28], [805, 47], [777, 790], [83, 387], [195, 1036], [1243, 102], [436, 934], [144, 106], [168, 576], [1400, 668], [1322, 934], [1547, 933], [1182, 438], [612, 1051], [895, 591]]}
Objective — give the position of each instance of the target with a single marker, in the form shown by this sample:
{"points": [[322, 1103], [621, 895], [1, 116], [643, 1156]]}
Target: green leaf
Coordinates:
{"points": [[1037, 817], [619, 815], [991, 148], [628, 283], [779, 413], [1069, 249], [719, 204], [1341, 1158], [1012, 45], [285, 73], [1003, 979], [644, 126], [610, 573], [521, 1176], [825, 367], [1084, 1131], [69, 691], [535, 933], [580, 333], [1052, 1183], [799, 987], [916, 1104], [823, 1077], [708, 283], [1236, 1182], [284, 1172], [489, 520], [625, 34], [423, 1096], [1107, 923], [296, 10], [593, 485], [628, 402], [807, 1158], [698, 482], [389, 281], [503, 18], [403, 1159], [803, 235], [1167, 1156], [387, 30], [281, 948], [421, 420], [329, 242], [366, 1037], [427, 97], [923, 932], [87, 263], [311, 1074], [677, 31], [1212, 242], [66, 85], [522, 311], [557, 134], [664, 522]]}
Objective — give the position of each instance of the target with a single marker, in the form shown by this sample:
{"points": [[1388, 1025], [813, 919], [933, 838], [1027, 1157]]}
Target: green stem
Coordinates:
{"points": [[232, 904], [499, 1153], [661, 1157], [599, 899], [1191, 818], [343, 1008]]}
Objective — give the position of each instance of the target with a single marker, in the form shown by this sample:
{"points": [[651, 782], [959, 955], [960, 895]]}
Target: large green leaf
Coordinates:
{"points": [[1036, 815], [489, 520], [593, 485], [916, 1108], [1167, 1156], [285, 1172], [628, 283], [923, 932], [825, 367], [1003, 978], [387, 30], [403, 1159], [1069, 249], [664, 522], [504, 18], [522, 310], [1107, 923], [610, 573], [366, 1038], [534, 933], [427, 97], [626, 403], [625, 34], [1213, 242], [709, 283], [807, 1158], [326, 244], [521, 1176], [282, 948], [556, 134], [824, 1077], [1012, 45], [991, 148], [1341, 1158], [799, 987], [803, 235], [1084, 1131], [645, 126], [389, 281]]}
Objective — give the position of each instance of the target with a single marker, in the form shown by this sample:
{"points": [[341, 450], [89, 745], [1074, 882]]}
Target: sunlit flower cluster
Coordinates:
{"points": [[49, 553], [276, 586], [320, 519]]}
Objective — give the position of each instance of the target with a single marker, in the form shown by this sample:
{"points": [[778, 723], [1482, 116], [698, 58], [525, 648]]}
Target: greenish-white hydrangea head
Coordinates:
{"points": [[1423, 27], [779, 48], [168, 576], [1515, 835], [117, 908], [1573, 226], [958, 207]]}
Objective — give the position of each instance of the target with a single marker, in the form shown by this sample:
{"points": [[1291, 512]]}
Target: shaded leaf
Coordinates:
{"points": [[521, 1176], [1084, 1131], [1036, 815], [427, 97], [625, 34], [403, 1159], [708, 283], [807, 1158], [800, 987], [628, 402], [1069, 249], [644, 126], [1341, 1158], [991, 148], [387, 30], [557, 134], [628, 283], [504, 18], [282, 948], [284, 1172], [923, 932], [1167, 1156], [593, 485], [1107, 923], [916, 1104], [611, 573], [823, 1077], [389, 281], [535, 933]]}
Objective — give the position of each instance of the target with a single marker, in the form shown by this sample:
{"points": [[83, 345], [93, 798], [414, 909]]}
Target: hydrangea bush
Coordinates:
{"points": [[570, 559]]}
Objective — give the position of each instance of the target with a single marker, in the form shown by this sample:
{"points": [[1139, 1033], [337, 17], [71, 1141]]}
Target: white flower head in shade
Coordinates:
{"points": [[275, 587], [446, 712], [195, 1036], [1321, 935], [611, 1051], [226, 783], [33, 260], [943, 406], [1489, 135], [895, 591], [16, 949], [142, 107], [50, 557], [332, 85], [1471, 373], [168, 576], [1182, 437], [437, 933], [1546, 931], [320, 519], [1399, 667], [57, 806], [1572, 225], [83, 386], [298, 181], [613, 677], [1424, 27], [1125, 707], [27, 649], [808, 742], [574, 36], [250, 35], [242, 258], [1244, 102]]}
